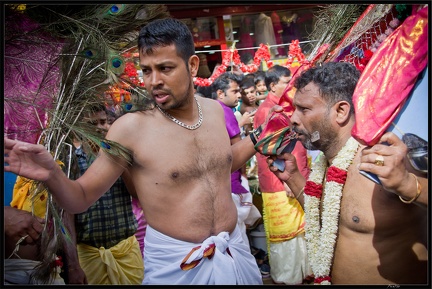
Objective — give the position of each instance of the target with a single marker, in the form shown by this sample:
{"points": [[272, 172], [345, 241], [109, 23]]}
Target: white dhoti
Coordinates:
{"points": [[288, 261], [19, 271], [247, 213], [224, 259]]}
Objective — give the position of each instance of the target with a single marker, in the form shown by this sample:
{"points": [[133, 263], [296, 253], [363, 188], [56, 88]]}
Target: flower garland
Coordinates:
{"points": [[294, 52], [232, 57], [321, 240]]}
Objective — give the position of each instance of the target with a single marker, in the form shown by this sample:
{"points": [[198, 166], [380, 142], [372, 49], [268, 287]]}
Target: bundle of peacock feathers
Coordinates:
{"points": [[59, 61], [333, 22]]}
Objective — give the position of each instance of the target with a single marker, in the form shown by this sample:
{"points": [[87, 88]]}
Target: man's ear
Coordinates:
{"points": [[272, 85], [220, 94], [193, 65], [342, 111]]}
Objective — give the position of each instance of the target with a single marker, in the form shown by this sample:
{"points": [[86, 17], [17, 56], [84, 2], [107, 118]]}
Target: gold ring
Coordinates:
{"points": [[251, 119], [379, 161]]}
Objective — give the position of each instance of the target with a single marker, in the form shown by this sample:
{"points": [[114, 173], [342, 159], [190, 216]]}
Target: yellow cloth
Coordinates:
{"points": [[22, 197], [121, 264], [283, 216]]}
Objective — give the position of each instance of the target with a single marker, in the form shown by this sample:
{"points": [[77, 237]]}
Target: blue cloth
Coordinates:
{"points": [[9, 182]]}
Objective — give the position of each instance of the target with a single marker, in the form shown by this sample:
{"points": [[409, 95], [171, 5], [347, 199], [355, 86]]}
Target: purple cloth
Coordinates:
{"points": [[31, 77], [233, 129], [142, 223]]}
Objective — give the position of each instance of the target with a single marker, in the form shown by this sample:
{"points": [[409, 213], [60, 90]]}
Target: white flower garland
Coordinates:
{"points": [[321, 240]]}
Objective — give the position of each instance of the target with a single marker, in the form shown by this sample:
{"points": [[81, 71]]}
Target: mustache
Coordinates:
{"points": [[159, 91], [298, 131]]}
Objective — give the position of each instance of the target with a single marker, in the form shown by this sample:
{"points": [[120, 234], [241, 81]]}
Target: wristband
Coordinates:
{"points": [[255, 134]]}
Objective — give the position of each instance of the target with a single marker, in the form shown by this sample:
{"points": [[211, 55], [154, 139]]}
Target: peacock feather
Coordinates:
{"points": [[59, 61], [333, 21]]}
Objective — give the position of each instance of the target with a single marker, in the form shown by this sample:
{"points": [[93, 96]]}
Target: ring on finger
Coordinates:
{"points": [[379, 161]]}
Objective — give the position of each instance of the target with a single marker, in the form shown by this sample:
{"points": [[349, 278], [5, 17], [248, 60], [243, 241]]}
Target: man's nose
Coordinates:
{"points": [[102, 127], [155, 79], [294, 119]]}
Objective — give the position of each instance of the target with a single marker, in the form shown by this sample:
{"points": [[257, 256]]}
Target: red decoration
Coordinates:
{"points": [[232, 57], [58, 262], [293, 53], [319, 280], [336, 174], [313, 189]]}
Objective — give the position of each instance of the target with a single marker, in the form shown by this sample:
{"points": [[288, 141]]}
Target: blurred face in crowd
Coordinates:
{"points": [[249, 95], [279, 87], [100, 120], [261, 88], [231, 96]]}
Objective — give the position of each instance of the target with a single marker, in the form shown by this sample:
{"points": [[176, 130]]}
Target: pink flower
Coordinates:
{"points": [[381, 37], [394, 23], [388, 31]]}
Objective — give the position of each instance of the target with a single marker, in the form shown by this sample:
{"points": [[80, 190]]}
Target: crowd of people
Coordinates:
{"points": [[180, 212]]}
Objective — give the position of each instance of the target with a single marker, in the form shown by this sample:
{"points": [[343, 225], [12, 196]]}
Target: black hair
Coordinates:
{"points": [[95, 108], [205, 91], [165, 32], [248, 81], [223, 81], [336, 81], [274, 73], [259, 76]]}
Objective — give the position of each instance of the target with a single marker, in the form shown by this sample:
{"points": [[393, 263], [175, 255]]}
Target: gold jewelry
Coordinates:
{"points": [[379, 161], [418, 192], [301, 192], [182, 124]]}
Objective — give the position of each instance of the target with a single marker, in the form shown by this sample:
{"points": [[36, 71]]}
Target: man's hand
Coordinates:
{"points": [[76, 275], [19, 224], [276, 108], [247, 118], [291, 167], [28, 160], [392, 172]]}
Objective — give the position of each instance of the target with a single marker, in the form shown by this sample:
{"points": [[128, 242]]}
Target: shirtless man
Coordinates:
{"points": [[249, 101], [181, 165], [380, 238]]}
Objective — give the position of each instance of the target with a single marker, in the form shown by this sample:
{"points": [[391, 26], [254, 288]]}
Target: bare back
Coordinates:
{"points": [[182, 177], [381, 240]]}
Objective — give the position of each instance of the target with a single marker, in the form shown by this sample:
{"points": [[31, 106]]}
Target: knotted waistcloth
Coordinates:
{"points": [[224, 259]]}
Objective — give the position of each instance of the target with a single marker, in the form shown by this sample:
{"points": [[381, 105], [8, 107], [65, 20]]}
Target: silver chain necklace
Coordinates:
{"points": [[182, 124]]}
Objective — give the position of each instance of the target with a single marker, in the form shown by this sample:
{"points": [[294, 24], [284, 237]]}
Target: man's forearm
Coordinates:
{"points": [[242, 151], [297, 183], [67, 193]]}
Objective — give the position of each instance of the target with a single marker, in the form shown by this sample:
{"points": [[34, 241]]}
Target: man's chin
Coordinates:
{"points": [[306, 143]]}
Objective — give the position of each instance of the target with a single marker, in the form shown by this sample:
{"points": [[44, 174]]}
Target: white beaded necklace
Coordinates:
{"points": [[182, 124]]}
